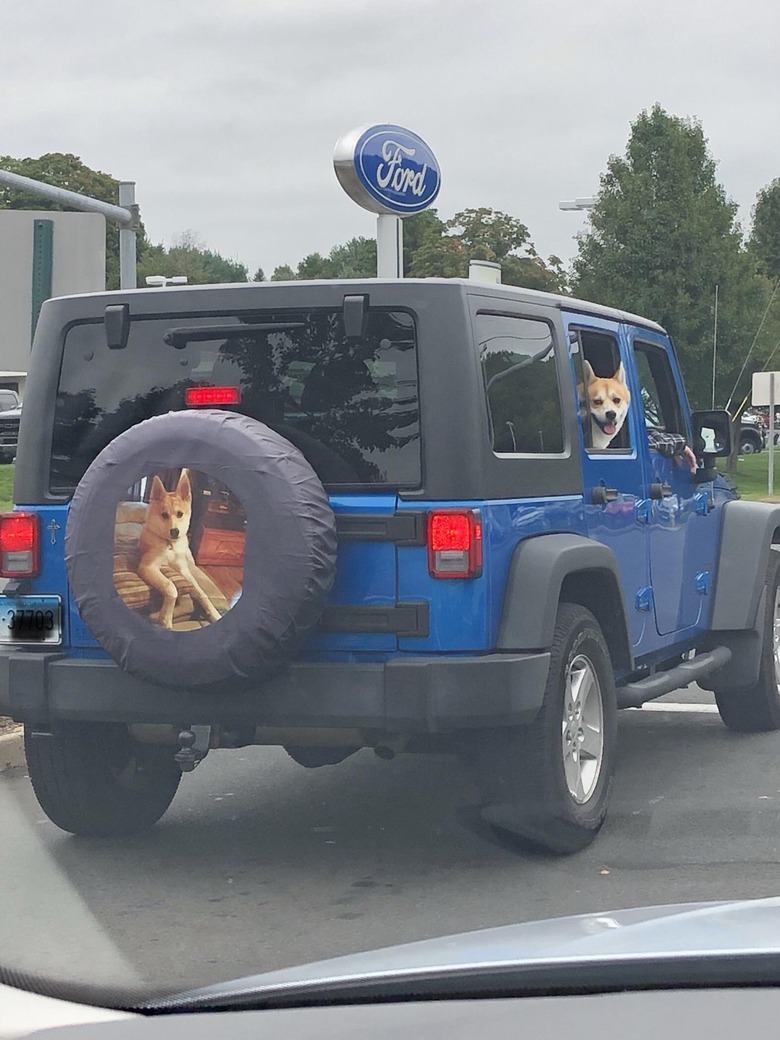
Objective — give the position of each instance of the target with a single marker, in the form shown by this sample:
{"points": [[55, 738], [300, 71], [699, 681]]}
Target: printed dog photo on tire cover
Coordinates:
{"points": [[179, 538]]}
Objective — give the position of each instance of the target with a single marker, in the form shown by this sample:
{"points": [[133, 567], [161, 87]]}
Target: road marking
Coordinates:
{"points": [[696, 709]]}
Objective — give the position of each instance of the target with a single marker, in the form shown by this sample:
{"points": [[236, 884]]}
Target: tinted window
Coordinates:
{"points": [[659, 393], [349, 405], [521, 383]]}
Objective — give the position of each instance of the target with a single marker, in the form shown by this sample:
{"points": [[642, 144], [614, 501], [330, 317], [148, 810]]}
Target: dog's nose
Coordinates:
{"points": [[174, 532], [610, 416]]}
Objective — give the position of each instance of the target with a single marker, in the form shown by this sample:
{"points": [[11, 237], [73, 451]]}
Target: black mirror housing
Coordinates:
{"points": [[712, 433]]}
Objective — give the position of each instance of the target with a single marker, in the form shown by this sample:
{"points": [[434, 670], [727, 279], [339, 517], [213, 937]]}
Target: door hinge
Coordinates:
{"points": [[643, 510], [644, 598], [703, 503]]}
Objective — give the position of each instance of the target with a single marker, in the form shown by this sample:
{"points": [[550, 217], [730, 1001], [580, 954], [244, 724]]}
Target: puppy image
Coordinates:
{"points": [[606, 402], [163, 542]]}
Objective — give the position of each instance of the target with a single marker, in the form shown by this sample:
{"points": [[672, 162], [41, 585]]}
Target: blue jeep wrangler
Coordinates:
{"points": [[337, 515]]}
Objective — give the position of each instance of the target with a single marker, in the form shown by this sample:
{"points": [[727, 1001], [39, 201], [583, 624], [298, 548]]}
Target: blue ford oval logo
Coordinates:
{"points": [[387, 169]]}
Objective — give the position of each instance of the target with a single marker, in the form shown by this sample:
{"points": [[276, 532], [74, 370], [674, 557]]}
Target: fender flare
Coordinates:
{"points": [[748, 530], [539, 568]]}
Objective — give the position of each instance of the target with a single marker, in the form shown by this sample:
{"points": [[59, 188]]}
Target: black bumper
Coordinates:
{"points": [[410, 694]]}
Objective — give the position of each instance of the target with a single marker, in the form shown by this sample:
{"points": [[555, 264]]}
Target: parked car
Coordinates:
{"points": [[337, 515], [10, 416], [752, 434]]}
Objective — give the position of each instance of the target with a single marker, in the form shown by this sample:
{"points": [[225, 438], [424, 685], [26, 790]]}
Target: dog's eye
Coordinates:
{"points": [[179, 514], [598, 402], [616, 400], [165, 516]]}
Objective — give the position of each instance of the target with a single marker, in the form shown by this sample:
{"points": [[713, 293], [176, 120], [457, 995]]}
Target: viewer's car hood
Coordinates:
{"points": [[750, 926]]}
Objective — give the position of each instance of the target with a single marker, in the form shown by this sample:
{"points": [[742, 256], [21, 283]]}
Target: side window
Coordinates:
{"points": [[521, 385], [603, 397], [659, 394]]}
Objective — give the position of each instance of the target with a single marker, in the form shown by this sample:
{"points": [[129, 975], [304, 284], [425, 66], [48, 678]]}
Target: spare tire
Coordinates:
{"points": [[289, 549]]}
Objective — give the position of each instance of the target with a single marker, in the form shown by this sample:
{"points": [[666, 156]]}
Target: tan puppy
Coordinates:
{"points": [[163, 542], [607, 401]]}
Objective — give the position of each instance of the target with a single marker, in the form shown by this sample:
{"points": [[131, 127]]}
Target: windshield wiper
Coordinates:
{"points": [[179, 338]]}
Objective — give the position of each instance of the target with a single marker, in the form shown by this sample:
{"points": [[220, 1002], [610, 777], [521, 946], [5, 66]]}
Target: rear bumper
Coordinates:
{"points": [[409, 694]]}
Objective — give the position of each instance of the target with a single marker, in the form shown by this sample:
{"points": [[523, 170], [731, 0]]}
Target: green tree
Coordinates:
{"points": [[189, 256], [68, 171], [283, 273], [489, 234], [765, 236], [662, 235]]}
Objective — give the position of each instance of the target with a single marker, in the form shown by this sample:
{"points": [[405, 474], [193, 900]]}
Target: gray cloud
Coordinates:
{"points": [[226, 114]]}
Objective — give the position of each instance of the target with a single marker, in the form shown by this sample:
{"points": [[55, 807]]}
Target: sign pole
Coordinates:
{"points": [[771, 485], [389, 246]]}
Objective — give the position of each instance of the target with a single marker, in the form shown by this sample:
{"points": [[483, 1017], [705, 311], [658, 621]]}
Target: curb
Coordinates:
{"points": [[12, 750]]}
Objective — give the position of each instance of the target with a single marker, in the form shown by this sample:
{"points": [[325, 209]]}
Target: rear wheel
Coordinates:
{"points": [[93, 779], [756, 708], [549, 784]]}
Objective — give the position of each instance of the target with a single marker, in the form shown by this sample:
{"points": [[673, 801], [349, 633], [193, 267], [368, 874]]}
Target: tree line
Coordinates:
{"points": [[662, 235]]}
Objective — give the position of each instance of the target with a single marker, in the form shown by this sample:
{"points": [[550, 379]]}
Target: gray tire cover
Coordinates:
{"points": [[289, 557]]}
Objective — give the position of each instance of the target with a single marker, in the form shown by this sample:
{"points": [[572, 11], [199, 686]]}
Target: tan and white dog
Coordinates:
{"points": [[606, 402], [164, 542]]}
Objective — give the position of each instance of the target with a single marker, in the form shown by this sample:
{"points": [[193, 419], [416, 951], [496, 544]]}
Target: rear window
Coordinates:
{"points": [[350, 406]]}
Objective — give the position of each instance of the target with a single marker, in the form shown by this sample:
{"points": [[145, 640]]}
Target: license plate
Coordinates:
{"points": [[30, 619]]}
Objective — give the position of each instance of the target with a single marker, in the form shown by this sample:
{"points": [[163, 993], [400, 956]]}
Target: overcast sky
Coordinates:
{"points": [[225, 112]]}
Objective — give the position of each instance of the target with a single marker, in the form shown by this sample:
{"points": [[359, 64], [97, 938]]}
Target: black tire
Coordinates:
{"points": [[94, 780], [756, 709], [521, 770], [748, 446], [290, 551]]}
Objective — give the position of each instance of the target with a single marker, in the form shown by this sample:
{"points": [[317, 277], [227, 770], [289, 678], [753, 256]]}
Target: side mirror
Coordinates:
{"points": [[712, 434]]}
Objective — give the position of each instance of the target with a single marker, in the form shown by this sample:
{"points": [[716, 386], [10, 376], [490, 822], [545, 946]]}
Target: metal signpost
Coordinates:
{"points": [[765, 387], [125, 215], [392, 172]]}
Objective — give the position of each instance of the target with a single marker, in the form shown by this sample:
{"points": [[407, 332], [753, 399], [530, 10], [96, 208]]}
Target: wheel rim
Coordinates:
{"points": [[776, 638], [582, 730]]}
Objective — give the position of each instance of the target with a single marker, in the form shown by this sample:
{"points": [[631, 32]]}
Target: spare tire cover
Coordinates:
{"points": [[289, 549]]}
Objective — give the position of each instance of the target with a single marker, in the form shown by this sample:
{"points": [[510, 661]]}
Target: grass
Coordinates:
{"points": [[6, 487], [751, 475]]}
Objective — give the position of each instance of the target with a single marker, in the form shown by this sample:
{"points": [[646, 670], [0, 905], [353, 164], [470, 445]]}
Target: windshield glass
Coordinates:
{"points": [[389, 502]]}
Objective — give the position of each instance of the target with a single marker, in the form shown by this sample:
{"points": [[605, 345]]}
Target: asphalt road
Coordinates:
{"points": [[260, 863]]}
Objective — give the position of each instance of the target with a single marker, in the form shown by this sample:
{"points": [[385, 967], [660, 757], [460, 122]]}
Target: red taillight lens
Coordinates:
{"points": [[455, 544], [19, 544], [211, 396]]}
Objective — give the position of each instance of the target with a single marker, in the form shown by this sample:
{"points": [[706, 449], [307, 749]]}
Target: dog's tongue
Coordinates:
{"points": [[610, 428]]}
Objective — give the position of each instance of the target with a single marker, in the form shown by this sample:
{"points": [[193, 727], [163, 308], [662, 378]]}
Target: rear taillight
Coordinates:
{"points": [[455, 543], [19, 545]]}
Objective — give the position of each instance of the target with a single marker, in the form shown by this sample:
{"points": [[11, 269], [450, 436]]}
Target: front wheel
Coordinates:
{"points": [[93, 779], [549, 784], [748, 447], [756, 708]]}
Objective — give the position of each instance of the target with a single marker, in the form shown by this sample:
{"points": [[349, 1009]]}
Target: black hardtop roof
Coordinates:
{"points": [[171, 299]]}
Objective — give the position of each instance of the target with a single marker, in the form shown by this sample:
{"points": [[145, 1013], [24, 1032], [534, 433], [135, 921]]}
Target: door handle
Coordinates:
{"points": [[601, 495], [660, 491]]}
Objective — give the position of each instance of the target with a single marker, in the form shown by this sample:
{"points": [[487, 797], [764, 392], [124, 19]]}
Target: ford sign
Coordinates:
{"points": [[387, 169]]}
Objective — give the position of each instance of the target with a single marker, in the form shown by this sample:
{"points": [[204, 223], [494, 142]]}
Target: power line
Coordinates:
{"points": [[758, 331]]}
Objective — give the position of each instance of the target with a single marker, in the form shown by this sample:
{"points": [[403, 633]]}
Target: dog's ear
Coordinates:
{"points": [[158, 491], [590, 375], [620, 375], [184, 488]]}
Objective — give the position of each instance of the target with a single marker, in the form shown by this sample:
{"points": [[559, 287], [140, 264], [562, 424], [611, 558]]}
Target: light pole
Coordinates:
{"points": [[161, 282], [587, 202]]}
